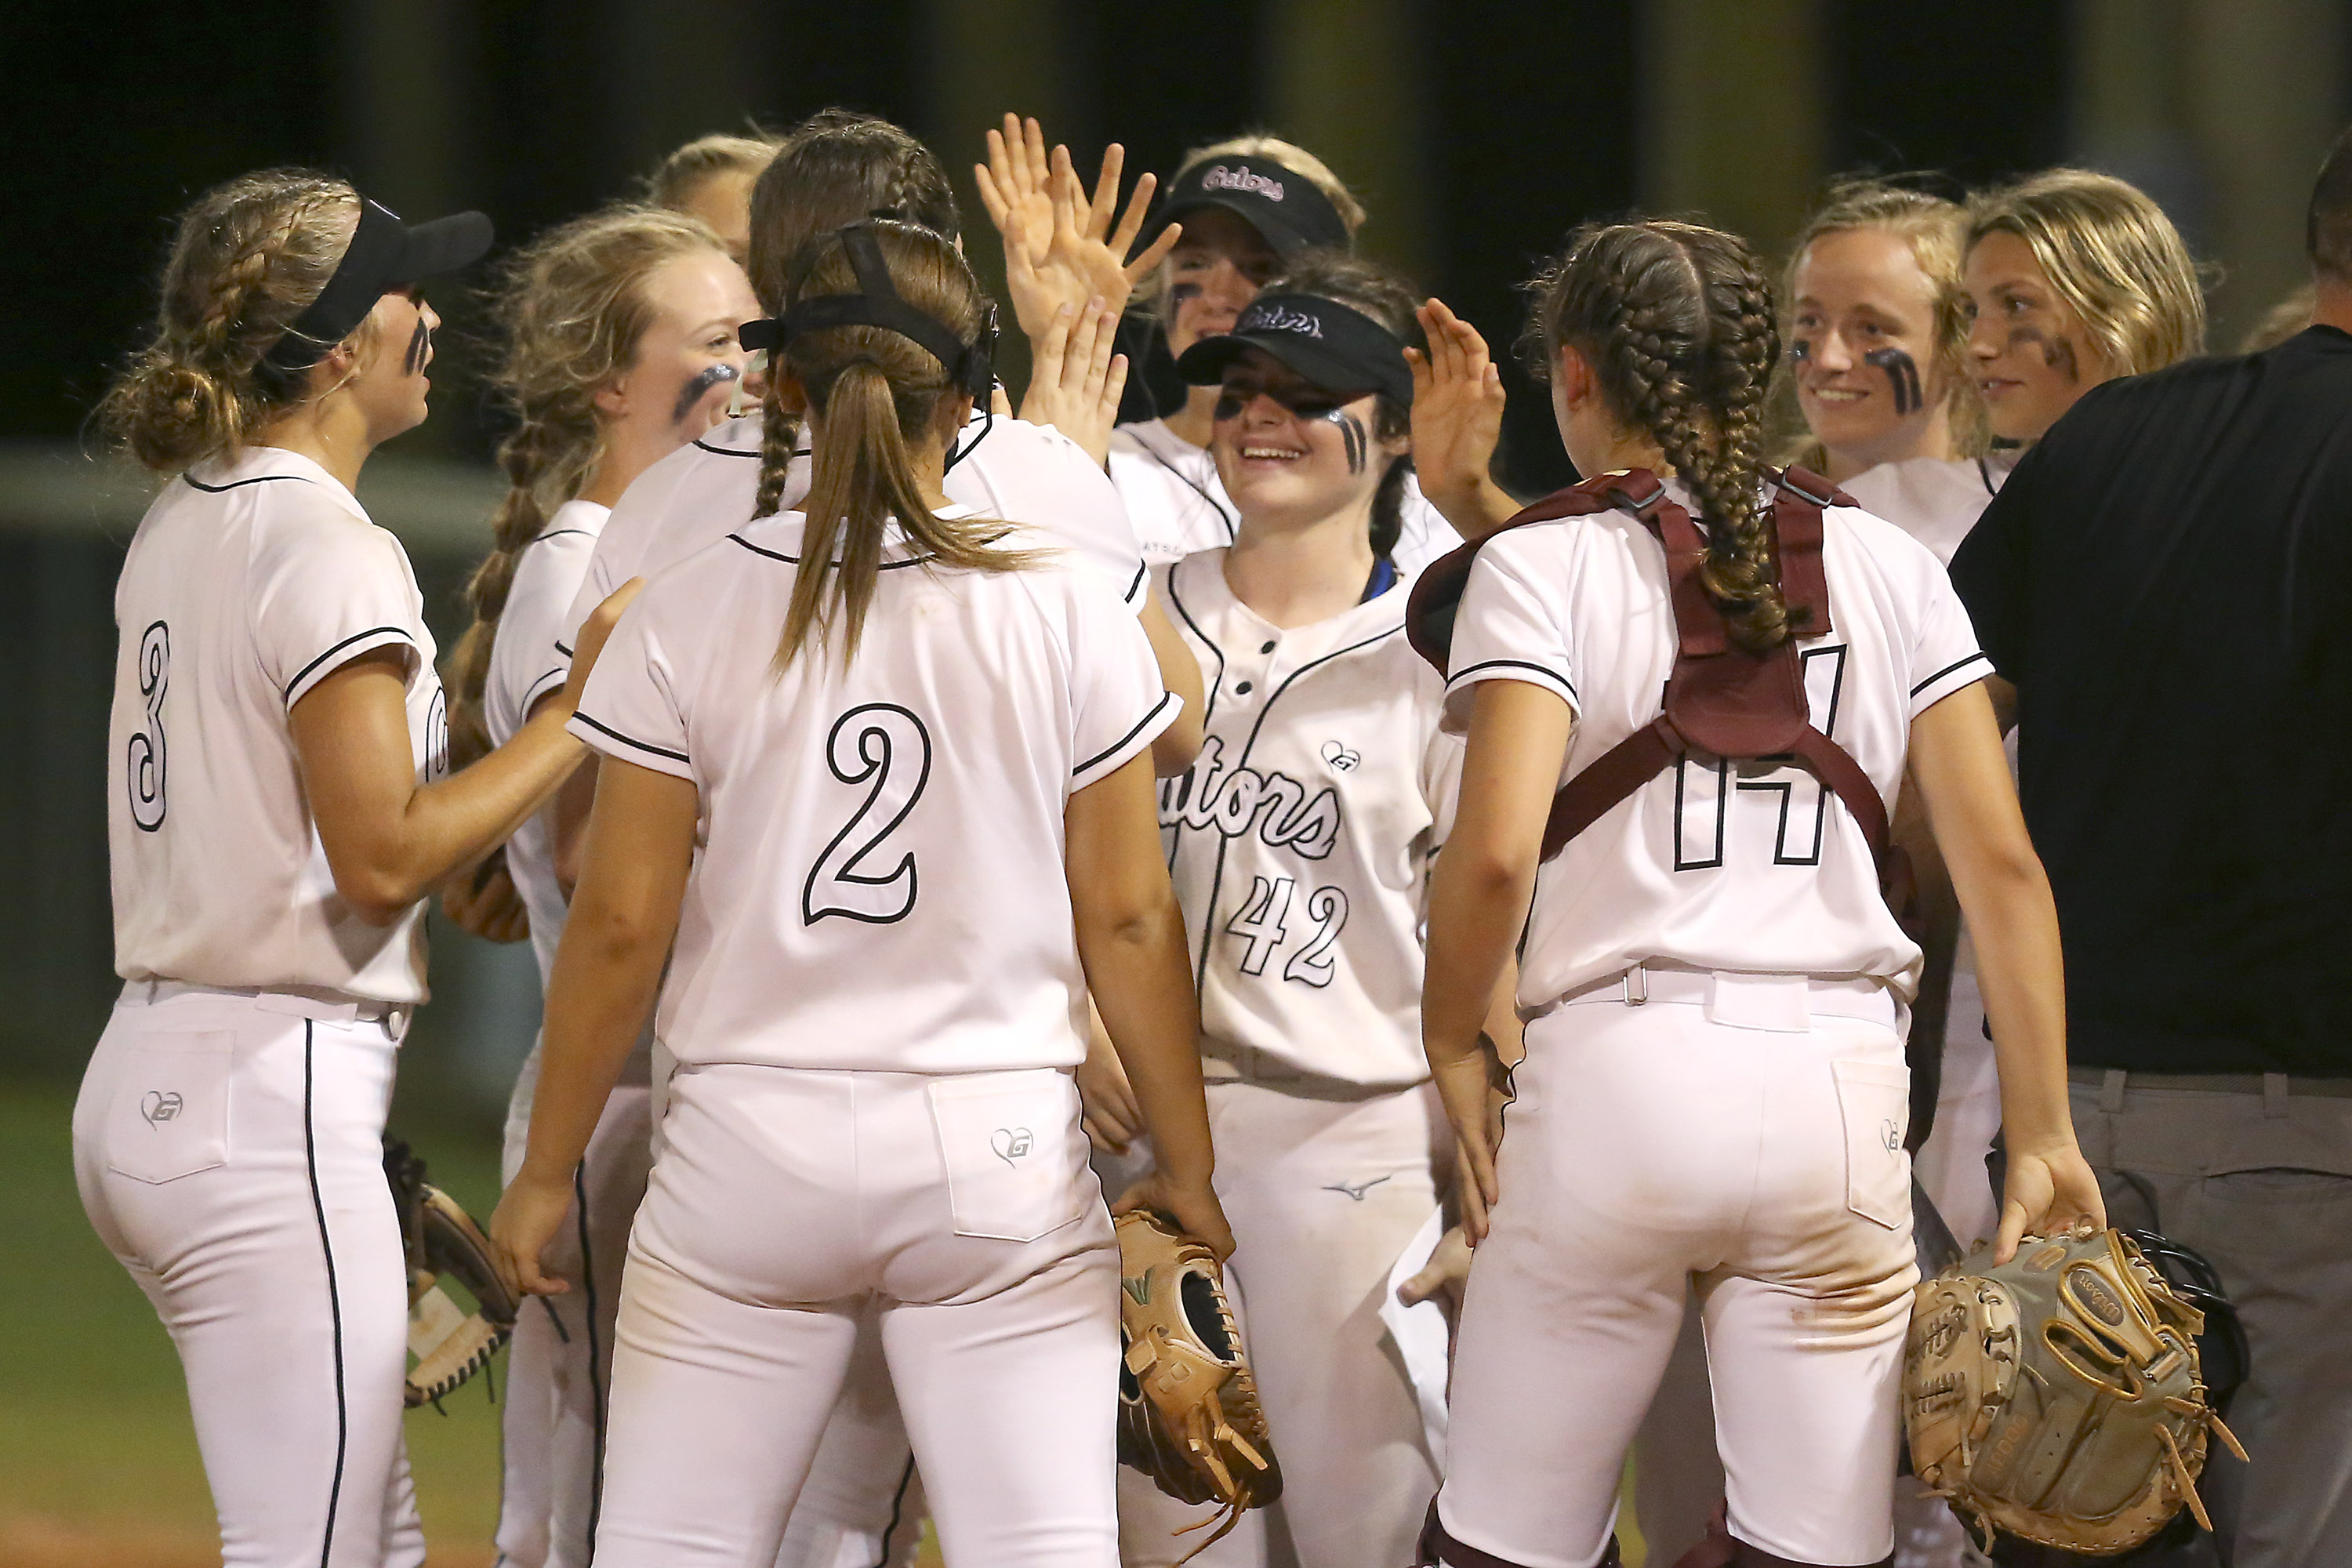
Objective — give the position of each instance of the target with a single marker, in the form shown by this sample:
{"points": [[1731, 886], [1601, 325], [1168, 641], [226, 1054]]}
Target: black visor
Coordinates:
{"points": [[1286, 207], [1337, 349], [385, 253], [877, 304]]}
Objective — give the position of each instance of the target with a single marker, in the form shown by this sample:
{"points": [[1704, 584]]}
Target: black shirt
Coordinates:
{"points": [[2167, 580]]}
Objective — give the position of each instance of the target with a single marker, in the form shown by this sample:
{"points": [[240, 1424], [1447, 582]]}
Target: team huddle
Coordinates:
{"points": [[935, 815]]}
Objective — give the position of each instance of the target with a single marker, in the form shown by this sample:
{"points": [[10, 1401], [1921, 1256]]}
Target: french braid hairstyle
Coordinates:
{"points": [[1677, 323], [570, 310], [836, 168], [250, 256], [874, 392], [1932, 229], [1375, 291]]}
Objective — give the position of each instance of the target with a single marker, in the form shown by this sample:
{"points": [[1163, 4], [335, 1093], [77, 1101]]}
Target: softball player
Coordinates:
{"points": [[619, 333], [278, 806], [1713, 1094], [1300, 843], [839, 168], [1248, 208], [858, 835], [710, 178]]}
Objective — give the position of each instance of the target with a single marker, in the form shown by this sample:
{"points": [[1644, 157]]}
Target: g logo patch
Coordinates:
{"points": [[159, 1105], [1343, 757], [1011, 1144], [1891, 1135]]}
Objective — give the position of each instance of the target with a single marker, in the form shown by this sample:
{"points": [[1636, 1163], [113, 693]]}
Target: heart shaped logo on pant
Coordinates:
{"points": [[1011, 1143], [160, 1106], [1342, 756]]}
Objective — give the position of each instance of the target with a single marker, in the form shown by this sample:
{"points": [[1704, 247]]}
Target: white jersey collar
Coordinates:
{"points": [[1199, 582], [246, 465], [779, 536]]}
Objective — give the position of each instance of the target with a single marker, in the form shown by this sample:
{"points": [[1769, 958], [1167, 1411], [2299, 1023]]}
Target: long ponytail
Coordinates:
{"points": [[874, 392], [1677, 322]]}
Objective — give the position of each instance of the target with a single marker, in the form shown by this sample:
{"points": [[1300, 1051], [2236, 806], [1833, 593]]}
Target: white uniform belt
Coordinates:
{"points": [[1778, 1002], [325, 1007]]}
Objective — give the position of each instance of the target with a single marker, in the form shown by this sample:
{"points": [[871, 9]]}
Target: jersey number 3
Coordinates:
{"points": [[145, 773], [885, 744]]}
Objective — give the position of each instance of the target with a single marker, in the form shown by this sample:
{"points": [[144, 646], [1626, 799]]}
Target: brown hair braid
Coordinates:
{"points": [[1677, 323], [836, 167], [874, 392], [570, 310], [250, 256]]}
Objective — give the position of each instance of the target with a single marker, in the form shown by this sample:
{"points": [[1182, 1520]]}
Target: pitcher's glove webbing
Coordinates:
{"points": [[2060, 1397], [1189, 1412], [446, 1344]]}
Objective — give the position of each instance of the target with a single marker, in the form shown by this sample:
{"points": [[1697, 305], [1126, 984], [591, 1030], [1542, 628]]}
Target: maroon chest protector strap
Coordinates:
{"points": [[1721, 700]]}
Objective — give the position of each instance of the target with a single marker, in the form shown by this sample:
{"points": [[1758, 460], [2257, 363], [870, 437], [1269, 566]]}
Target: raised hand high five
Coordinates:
{"points": [[1457, 420], [1062, 245]]}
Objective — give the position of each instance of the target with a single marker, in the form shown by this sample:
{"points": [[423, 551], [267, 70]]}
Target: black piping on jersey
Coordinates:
{"points": [[1224, 845], [632, 740], [1233, 529], [794, 560], [1157, 709], [595, 1357], [1956, 664], [541, 688], [559, 533], [1142, 572], [1546, 671], [739, 452], [1984, 473], [1209, 703], [304, 674], [240, 484], [334, 1295], [897, 1512]]}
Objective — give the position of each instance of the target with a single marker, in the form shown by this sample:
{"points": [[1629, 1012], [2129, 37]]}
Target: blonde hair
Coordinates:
{"points": [[874, 392], [1291, 156], [2291, 317], [676, 178], [570, 310], [248, 258], [1932, 229], [2113, 258]]}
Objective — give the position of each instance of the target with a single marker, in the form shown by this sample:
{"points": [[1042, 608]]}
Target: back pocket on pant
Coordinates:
{"points": [[169, 1115], [1875, 1099], [1005, 1139]]}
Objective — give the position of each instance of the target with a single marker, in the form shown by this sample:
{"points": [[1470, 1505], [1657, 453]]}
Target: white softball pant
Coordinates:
{"points": [[786, 1206], [1657, 1148], [862, 1506], [229, 1150], [1325, 1190]]}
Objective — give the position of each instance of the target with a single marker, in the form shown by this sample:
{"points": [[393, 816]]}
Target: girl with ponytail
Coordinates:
{"points": [[279, 805], [881, 767], [1713, 1093], [616, 344]]}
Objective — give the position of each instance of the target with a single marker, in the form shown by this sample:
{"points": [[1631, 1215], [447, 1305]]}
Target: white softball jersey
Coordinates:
{"points": [[524, 668], [1029, 474], [1177, 505], [1934, 500], [251, 579], [1300, 839], [1747, 867], [878, 883]]}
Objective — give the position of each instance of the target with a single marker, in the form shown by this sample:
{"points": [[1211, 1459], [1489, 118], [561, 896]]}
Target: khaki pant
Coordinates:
{"points": [[2261, 1183]]}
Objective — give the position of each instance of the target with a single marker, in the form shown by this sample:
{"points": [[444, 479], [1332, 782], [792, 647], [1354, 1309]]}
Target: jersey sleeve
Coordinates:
{"points": [[630, 709], [1946, 657], [1045, 480], [1511, 626], [528, 656], [1119, 703], [327, 592], [597, 586]]}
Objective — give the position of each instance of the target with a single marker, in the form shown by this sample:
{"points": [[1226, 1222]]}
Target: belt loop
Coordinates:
{"points": [[2274, 1093], [2111, 1092], [1637, 986]]}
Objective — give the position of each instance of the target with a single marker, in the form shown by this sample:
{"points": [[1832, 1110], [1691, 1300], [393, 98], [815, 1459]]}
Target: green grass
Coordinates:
{"points": [[94, 1430]]}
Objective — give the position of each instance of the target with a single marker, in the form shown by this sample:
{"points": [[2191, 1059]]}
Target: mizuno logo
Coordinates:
{"points": [[1356, 1190]]}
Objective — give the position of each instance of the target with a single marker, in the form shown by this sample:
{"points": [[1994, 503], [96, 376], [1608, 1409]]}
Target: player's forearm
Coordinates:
{"points": [[1476, 505], [1174, 748], [1143, 982], [453, 824], [1475, 903], [605, 977], [2022, 978]]}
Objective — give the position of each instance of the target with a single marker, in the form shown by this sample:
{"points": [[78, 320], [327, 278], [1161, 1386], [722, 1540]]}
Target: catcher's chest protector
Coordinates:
{"points": [[1721, 700]]}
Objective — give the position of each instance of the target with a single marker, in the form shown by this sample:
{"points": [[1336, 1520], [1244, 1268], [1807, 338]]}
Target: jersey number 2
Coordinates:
{"points": [[145, 773], [883, 743]]}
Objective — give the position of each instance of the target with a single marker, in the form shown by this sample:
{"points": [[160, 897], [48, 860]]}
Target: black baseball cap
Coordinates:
{"points": [[1334, 346], [385, 253], [1289, 210]]}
